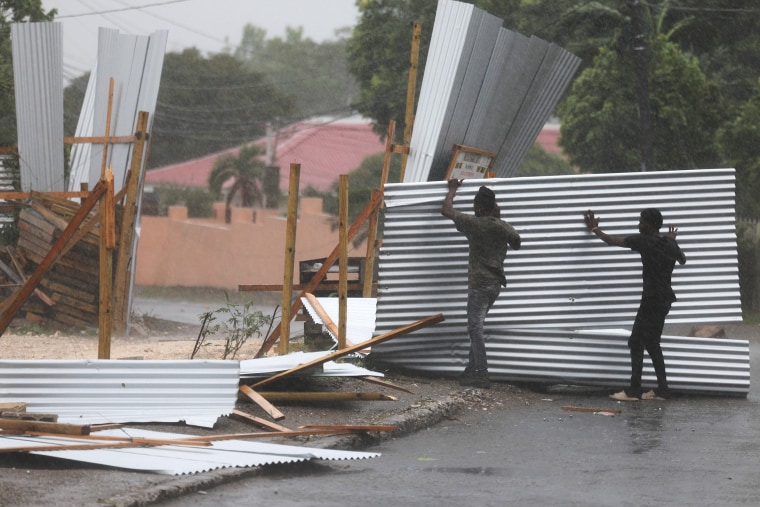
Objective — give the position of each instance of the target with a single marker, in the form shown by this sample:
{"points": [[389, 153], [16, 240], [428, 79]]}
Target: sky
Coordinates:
{"points": [[209, 25]]}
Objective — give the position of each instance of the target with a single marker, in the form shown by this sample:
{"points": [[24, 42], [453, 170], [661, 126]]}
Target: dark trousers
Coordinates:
{"points": [[479, 301], [646, 335]]}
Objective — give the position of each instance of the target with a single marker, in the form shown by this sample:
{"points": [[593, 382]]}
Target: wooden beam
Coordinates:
{"points": [[99, 140], [108, 129], [20, 296], [260, 401], [10, 196], [429, 321], [411, 91], [121, 288], [325, 396], [384, 383], [325, 318], [45, 427], [342, 259], [290, 255], [317, 278], [258, 421], [105, 287], [588, 409]]}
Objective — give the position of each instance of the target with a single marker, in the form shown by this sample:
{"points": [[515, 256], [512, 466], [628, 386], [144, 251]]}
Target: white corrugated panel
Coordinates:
{"points": [[598, 358], [134, 62], [38, 80], [484, 87], [120, 391], [360, 316], [180, 459], [563, 277], [269, 366]]}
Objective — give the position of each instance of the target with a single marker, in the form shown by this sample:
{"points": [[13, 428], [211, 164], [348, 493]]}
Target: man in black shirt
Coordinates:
{"points": [[659, 254]]}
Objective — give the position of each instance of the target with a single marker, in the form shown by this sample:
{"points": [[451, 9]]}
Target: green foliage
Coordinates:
{"points": [[740, 146], [13, 11], [599, 118], [379, 52], [538, 162], [246, 170], [241, 324], [316, 75], [208, 104]]}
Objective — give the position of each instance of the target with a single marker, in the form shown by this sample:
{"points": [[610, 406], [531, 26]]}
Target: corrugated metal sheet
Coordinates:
{"points": [[110, 391], [563, 277], [598, 358], [483, 86], [269, 366], [38, 80], [360, 316], [181, 460], [135, 63]]}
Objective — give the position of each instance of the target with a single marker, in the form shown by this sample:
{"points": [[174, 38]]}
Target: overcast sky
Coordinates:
{"points": [[209, 25]]}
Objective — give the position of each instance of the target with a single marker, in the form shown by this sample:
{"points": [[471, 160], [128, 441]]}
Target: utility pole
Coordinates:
{"points": [[640, 57]]}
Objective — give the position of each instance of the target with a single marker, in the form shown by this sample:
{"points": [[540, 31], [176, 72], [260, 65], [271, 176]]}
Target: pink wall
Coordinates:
{"points": [[178, 251]]}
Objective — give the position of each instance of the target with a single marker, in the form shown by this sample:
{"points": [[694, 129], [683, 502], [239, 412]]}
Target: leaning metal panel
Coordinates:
{"points": [[38, 77], [485, 87], [563, 277]]}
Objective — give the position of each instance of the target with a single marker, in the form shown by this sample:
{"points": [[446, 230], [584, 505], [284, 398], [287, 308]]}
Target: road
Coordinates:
{"points": [[696, 451]]}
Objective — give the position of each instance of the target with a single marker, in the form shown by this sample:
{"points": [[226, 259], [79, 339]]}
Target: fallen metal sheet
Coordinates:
{"points": [[590, 358], [98, 391], [268, 366], [38, 78], [360, 316], [181, 460]]}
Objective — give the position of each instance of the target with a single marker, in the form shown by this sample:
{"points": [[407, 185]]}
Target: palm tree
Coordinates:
{"points": [[246, 170]]}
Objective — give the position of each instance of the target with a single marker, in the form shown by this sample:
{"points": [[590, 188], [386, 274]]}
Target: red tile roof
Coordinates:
{"points": [[325, 149]]}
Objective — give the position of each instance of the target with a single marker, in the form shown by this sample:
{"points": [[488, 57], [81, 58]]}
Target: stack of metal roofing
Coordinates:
{"points": [[566, 289], [485, 87], [134, 62]]}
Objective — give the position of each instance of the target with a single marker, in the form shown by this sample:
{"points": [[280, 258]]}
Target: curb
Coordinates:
{"points": [[413, 419]]}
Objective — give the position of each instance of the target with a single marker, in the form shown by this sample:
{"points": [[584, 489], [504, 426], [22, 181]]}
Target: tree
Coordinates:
{"points": [[13, 11], [314, 74], [740, 147], [246, 171], [599, 129]]}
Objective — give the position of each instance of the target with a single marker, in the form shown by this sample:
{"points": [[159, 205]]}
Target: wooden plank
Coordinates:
{"points": [[290, 253], [324, 396], [260, 401], [328, 285], [384, 383], [26, 290], [121, 289], [45, 427], [429, 321], [258, 421], [325, 318], [13, 406]]}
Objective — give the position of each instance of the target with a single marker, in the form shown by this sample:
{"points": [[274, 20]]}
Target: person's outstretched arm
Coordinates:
{"points": [[592, 223], [447, 209]]}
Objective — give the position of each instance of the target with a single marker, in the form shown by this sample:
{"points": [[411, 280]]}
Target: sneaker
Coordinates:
{"points": [[654, 395], [623, 396], [476, 379]]}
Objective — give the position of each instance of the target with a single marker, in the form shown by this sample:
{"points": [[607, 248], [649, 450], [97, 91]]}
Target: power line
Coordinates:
{"points": [[125, 8]]}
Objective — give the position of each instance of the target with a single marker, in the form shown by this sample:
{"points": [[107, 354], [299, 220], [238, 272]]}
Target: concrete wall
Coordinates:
{"points": [[180, 251]]}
